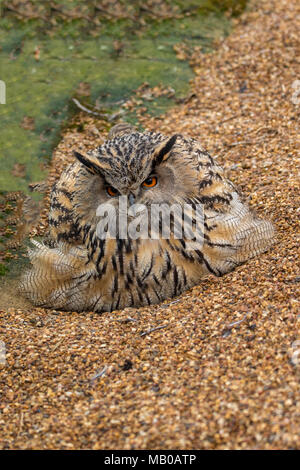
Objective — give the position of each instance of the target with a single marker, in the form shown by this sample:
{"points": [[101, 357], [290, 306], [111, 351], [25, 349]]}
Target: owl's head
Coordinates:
{"points": [[145, 167]]}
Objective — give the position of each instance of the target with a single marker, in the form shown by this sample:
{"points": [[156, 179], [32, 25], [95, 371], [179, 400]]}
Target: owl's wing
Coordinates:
{"points": [[232, 231], [58, 277]]}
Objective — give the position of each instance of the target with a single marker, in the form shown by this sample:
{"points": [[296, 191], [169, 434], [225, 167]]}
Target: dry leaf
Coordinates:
{"points": [[28, 123], [19, 170]]}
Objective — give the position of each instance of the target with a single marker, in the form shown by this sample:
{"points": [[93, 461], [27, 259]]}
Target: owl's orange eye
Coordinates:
{"points": [[112, 192], [150, 182]]}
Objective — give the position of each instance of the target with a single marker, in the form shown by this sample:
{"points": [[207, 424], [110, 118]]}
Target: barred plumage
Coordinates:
{"points": [[78, 271]]}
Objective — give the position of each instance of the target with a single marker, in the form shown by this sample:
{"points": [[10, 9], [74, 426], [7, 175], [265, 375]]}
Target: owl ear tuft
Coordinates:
{"points": [[162, 152], [90, 162]]}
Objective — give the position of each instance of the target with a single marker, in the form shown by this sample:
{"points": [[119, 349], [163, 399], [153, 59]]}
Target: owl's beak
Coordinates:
{"points": [[131, 199]]}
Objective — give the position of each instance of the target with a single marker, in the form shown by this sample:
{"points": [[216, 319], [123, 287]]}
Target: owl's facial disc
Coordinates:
{"points": [[132, 164], [149, 183]]}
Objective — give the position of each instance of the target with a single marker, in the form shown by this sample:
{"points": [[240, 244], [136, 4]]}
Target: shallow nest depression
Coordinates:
{"points": [[218, 367]]}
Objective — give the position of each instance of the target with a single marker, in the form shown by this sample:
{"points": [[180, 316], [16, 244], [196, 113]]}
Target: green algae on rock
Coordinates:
{"points": [[46, 54]]}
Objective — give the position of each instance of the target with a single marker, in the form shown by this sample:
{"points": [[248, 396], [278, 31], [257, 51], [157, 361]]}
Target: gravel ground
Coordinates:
{"points": [[218, 367]]}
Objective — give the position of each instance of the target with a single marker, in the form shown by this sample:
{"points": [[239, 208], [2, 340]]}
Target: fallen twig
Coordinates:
{"points": [[83, 108], [170, 303], [236, 322], [125, 320], [108, 117], [229, 119], [229, 327], [58, 344], [153, 329], [114, 116], [247, 142], [99, 374]]}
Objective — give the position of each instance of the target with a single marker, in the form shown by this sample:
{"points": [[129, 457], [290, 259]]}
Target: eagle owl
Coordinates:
{"points": [[78, 270]]}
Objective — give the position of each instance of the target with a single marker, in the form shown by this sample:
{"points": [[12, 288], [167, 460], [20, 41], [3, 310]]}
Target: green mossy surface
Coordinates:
{"points": [[75, 51]]}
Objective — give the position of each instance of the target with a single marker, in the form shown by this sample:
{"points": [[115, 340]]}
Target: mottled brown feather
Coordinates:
{"points": [[80, 272]]}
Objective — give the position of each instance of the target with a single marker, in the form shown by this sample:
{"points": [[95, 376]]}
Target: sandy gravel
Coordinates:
{"points": [[218, 367]]}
